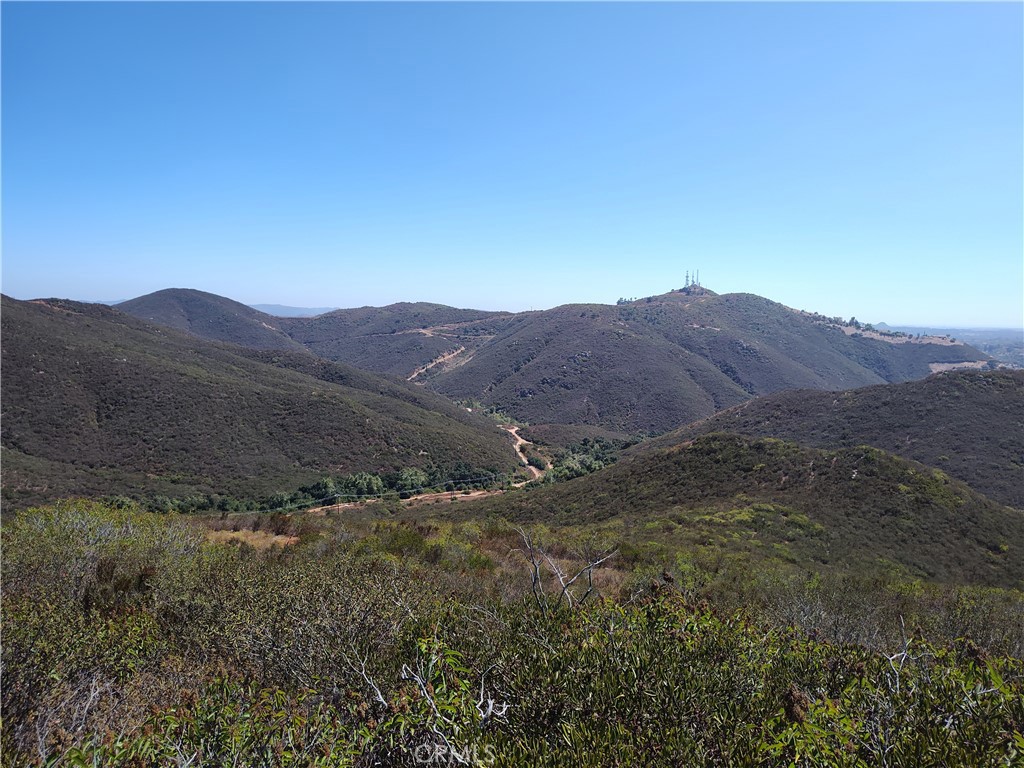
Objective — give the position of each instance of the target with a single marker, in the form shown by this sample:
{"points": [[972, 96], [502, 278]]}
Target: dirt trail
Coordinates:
{"points": [[535, 473], [520, 442], [437, 361], [975, 364], [331, 508], [451, 495]]}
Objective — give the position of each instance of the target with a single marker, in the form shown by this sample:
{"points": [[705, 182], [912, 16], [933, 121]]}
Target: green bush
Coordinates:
{"points": [[130, 642]]}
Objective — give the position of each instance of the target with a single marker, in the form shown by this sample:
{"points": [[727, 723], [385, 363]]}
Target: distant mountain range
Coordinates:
{"points": [[211, 317], [643, 366], [280, 310], [96, 401], [277, 310]]}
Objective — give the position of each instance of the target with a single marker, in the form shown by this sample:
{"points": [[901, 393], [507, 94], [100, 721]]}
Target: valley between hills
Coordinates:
{"points": [[690, 529]]}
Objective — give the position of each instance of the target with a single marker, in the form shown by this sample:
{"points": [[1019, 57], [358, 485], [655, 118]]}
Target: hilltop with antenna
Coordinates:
{"points": [[692, 286]]}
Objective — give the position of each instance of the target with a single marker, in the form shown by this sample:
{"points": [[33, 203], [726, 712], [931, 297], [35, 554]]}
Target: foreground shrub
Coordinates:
{"points": [[129, 642]]}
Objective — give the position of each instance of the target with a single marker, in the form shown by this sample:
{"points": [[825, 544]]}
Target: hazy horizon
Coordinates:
{"points": [[261, 304], [850, 159]]}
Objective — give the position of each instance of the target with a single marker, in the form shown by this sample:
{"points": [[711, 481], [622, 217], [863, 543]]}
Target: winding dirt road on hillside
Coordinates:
{"points": [[437, 361], [520, 442]]}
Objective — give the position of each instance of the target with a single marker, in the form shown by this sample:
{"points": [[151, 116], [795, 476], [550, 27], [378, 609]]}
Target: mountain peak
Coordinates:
{"points": [[210, 316], [689, 291]]}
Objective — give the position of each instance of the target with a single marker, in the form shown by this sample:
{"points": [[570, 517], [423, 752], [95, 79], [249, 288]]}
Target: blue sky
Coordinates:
{"points": [[852, 159]]}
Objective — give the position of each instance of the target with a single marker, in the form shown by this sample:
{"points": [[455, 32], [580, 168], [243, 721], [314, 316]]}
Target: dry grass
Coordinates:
{"points": [[256, 539], [942, 367]]}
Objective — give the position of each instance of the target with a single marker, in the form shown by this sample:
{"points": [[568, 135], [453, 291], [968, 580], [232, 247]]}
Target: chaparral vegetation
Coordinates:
{"points": [[225, 545], [369, 638]]}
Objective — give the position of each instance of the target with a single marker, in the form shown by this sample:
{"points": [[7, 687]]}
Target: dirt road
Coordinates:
{"points": [[535, 473], [437, 361], [520, 442]]}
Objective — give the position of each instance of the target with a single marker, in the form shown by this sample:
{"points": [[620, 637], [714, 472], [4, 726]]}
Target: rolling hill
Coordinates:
{"points": [[652, 365], [645, 366], [95, 401], [970, 424], [855, 508], [211, 317], [398, 339]]}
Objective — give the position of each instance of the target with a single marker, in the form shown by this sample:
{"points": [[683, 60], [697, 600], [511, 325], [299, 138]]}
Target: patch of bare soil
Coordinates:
{"points": [[940, 367], [437, 361], [943, 341]]}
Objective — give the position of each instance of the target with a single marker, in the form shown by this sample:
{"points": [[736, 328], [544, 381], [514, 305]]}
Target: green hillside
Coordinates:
{"points": [[131, 639], [581, 364], [968, 423], [856, 508], [95, 401]]}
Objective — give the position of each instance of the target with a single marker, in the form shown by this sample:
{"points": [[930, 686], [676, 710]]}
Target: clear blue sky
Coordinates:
{"points": [[854, 159]]}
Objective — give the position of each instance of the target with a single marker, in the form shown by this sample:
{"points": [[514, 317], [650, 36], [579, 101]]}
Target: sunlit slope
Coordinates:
{"points": [[968, 423], [854, 508], [397, 339]]}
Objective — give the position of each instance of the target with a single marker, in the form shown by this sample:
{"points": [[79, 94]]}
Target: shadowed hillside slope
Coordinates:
{"points": [[95, 401], [968, 423], [396, 339], [852, 508], [209, 316]]}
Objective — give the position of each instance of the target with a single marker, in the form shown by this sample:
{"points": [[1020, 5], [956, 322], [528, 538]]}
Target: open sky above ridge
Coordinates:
{"points": [[854, 159]]}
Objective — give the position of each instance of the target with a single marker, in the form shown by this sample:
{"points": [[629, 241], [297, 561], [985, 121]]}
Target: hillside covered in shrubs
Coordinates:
{"points": [[98, 403], [967, 423], [644, 366], [130, 639]]}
